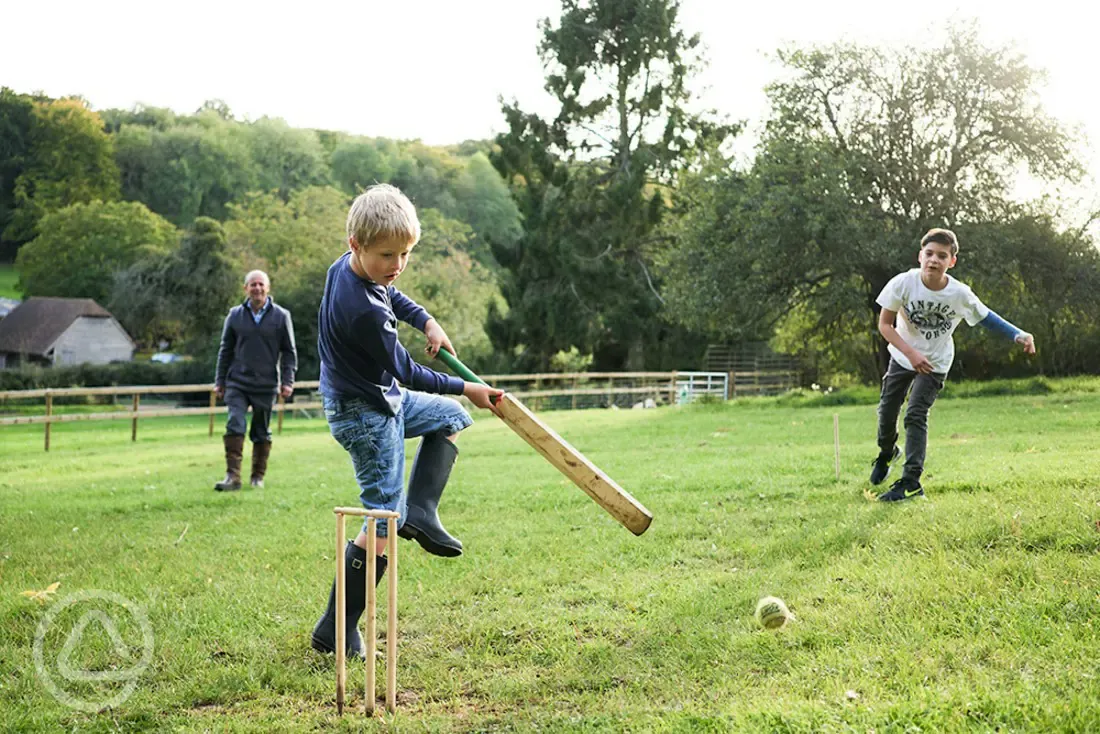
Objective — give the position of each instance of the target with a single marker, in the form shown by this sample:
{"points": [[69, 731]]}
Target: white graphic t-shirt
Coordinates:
{"points": [[927, 318]]}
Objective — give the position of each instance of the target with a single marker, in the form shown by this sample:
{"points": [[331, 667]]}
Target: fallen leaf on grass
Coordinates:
{"points": [[44, 595]]}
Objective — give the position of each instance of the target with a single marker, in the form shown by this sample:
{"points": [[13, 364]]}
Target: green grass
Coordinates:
{"points": [[975, 610], [9, 276]]}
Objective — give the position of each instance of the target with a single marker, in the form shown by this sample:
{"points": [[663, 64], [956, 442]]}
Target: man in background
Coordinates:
{"points": [[256, 360]]}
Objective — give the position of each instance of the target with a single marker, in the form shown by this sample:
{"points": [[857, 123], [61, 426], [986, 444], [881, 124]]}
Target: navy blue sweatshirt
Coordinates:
{"points": [[361, 356], [257, 357]]}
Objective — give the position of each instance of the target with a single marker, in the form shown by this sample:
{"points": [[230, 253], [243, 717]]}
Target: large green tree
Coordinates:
{"points": [[16, 119], [484, 202], [264, 231], [1044, 277], [459, 182], [285, 158], [81, 247], [866, 149], [358, 162], [180, 295], [160, 118], [456, 289], [593, 184], [204, 281], [185, 168], [69, 159]]}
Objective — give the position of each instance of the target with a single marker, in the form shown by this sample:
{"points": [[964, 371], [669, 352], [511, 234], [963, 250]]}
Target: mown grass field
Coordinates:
{"points": [[977, 609]]}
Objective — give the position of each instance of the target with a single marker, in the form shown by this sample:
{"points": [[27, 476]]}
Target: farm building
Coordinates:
{"points": [[60, 331]]}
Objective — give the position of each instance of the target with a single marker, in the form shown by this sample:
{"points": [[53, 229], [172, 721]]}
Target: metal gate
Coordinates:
{"points": [[690, 385]]}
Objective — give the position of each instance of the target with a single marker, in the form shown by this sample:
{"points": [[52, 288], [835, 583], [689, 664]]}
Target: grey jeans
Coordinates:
{"points": [[238, 401], [895, 385]]}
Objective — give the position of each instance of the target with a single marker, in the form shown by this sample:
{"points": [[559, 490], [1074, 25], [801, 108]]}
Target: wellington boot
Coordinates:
{"points": [[430, 472], [234, 450], [260, 452], [355, 597]]}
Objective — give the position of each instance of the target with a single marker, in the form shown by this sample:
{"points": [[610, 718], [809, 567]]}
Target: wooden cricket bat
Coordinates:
{"points": [[630, 513]]}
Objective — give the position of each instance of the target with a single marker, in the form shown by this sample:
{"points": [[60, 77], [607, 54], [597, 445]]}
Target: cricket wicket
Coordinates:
{"points": [[391, 608]]}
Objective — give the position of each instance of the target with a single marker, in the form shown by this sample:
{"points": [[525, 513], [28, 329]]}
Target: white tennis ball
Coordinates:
{"points": [[772, 613]]}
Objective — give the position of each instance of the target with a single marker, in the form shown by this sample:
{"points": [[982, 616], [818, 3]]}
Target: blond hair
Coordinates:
{"points": [[382, 212]]}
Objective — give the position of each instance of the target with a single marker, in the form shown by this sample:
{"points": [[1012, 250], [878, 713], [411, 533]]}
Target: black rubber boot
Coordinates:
{"points": [[355, 598], [431, 469]]}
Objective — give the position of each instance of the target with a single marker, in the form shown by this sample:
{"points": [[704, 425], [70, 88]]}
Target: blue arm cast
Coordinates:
{"points": [[996, 324]]}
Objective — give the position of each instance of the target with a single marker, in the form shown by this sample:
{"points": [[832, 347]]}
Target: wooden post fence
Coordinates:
{"points": [[49, 411], [213, 404], [592, 385], [133, 429]]}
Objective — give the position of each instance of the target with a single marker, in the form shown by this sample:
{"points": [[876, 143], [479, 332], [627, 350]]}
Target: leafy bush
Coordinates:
{"points": [[570, 361], [81, 247]]}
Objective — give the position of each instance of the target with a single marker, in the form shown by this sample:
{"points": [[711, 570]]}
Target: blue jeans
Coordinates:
{"points": [[376, 442]]}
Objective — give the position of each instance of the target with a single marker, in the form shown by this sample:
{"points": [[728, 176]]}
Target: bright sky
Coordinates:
{"points": [[434, 69]]}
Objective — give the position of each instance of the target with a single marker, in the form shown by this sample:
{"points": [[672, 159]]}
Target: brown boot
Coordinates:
{"points": [[260, 452], [234, 450]]}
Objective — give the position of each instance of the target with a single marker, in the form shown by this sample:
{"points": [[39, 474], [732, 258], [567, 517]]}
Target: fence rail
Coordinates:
{"points": [[542, 391], [763, 382], [546, 390]]}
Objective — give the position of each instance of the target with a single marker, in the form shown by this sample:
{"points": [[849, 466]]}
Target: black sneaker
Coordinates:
{"points": [[880, 467], [903, 489]]}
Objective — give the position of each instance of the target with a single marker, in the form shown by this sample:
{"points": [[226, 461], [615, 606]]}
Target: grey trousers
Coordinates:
{"points": [[895, 384], [237, 401]]}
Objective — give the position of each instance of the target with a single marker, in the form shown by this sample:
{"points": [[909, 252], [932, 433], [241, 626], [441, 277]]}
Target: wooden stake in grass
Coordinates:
{"points": [[341, 622], [391, 617], [372, 612], [372, 605], [836, 444]]}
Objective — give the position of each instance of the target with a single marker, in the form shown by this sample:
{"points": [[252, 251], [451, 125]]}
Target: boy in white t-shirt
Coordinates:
{"points": [[928, 304]]}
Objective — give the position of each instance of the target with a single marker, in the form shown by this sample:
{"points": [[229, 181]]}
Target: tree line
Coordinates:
{"points": [[621, 233], [157, 216]]}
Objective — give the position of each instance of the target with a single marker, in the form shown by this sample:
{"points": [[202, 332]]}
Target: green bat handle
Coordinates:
{"points": [[455, 364]]}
